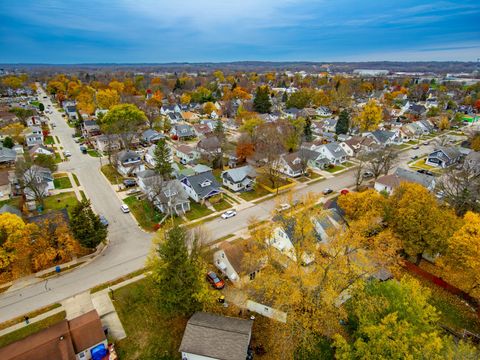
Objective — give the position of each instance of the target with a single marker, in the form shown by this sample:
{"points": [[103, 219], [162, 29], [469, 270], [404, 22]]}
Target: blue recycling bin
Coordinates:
{"points": [[57, 269]]}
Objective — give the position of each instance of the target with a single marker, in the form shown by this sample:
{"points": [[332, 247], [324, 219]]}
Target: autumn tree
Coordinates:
{"points": [[107, 98], [15, 131], [124, 120], [46, 161], [162, 155], [394, 320], [245, 147], [370, 116], [343, 123], [185, 99], [261, 102], [86, 99], [22, 114], [269, 147], [418, 220], [178, 273], [12, 82], [379, 161], [444, 123], [208, 108], [462, 258], [86, 225], [367, 203], [250, 126]]}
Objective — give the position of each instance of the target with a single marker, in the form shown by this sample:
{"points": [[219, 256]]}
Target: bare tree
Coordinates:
{"points": [[461, 188], [269, 147], [380, 161], [33, 180], [359, 171]]}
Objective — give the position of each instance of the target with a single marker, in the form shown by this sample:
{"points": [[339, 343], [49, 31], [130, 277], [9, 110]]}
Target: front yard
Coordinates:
{"points": [[61, 201], [335, 169], [146, 214], [49, 140], [222, 205], [93, 153], [112, 174], [259, 191], [197, 211], [421, 165], [62, 183]]}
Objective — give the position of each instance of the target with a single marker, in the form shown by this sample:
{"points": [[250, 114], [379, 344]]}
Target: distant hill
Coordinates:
{"points": [[440, 67]]}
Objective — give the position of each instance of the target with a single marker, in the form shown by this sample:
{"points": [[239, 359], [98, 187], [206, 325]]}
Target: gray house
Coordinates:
{"points": [[443, 157], [152, 136], [211, 336], [129, 163], [183, 131], [7, 156], [201, 187], [239, 179]]}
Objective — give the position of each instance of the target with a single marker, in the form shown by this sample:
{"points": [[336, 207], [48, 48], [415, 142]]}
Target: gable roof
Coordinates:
{"points": [[217, 337], [7, 155], [336, 150], [382, 136], [239, 174], [197, 180], [210, 143], [127, 154], [235, 254]]}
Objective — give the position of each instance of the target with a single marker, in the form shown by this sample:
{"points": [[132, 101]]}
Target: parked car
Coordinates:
{"points": [[426, 143], [103, 220], [283, 207], [414, 157], [125, 208], [216, 282], [327, 191], [228, 214], [83, 149], [416, 147], [426, 172], [367, 175], [129, 183], [67, 153]]}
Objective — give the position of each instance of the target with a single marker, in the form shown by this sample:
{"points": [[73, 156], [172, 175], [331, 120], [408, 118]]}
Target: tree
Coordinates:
{"points": [[300, 99], [107, 98], [8, 142], [219, 131], [462, 258], [178, 273], [12, 82], [124, 120], [22, 114], [86, 225], [433, 111], [370, 116], [31, 180], [245, 147], [444, 123], [208, 108], [418, 220], [343, 123], [41, 107], [394, 320], [46, 161], [379, 161], [307, 130], [15, 131], [185, 99], [162, 155], [363, 204], [250, 126], [261, 102], [268, 146]]}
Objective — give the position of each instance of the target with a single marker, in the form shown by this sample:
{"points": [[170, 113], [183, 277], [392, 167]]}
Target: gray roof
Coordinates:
{"points": [[127, 154], [7, 155], [383, 135], [413, 176], [150, 134], [451, 152], [200, 168], [336, 150], [10, 209], [239, 174], [207, 179], [217, 337], [184, 130]]}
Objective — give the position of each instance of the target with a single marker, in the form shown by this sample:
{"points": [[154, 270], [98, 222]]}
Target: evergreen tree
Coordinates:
{"points": [[262, 103], [8, 142], [219, 131], [342, 123], [285, 97], [307, 130], [178, 274], [41, 107], [86, 225], [162, 155]]}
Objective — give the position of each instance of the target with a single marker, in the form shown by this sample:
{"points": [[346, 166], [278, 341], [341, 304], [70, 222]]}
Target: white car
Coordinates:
{"points": [[125, 208], [283, 207], [228, 214], [67, 153]]}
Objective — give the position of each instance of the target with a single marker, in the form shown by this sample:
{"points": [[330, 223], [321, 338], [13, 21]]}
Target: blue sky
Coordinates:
{"points": [[92, 31]]}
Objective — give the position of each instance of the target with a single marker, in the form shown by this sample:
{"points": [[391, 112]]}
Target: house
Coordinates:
{"points": [[40, 150], [200, 168], [210, 336], [190, 116], [385, 137], [10, 210], [70, 108], [150, 155], [239, 179], [81, 338], [209, 146], [390, 182], [5, 183], [152, 136], [33, 136], [38, 181], [293, 164], [90, 128], [106, 143], [324, 111], [170, 109], [416, 109], [333, 152], [202, 130], [201, 187], [186, 154], [167, 196], [443, 157], [230, 260], [326, 224], [329, 125], [129, 163], [7, 156], [183, 131]]}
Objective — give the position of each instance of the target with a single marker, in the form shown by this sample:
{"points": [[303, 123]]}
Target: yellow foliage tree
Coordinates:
{"points": [[185, 98], [462, 259], [363, 204], [118, 86], [208, 107], [14, 130], [13, 82], [444, 124], [85, 99], [370, 116], [107, 98]]}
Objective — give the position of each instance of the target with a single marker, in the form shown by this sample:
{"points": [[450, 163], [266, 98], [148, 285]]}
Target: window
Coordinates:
{"points": [[252, 275]]}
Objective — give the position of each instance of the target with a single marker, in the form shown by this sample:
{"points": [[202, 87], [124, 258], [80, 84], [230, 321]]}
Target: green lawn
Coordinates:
{"points": [[82, 193], [335, 169], [145, 213], [93, 153], [150, 333], [421, 164], [258, 192], [62, 183], [75, 178], [61, 201], [222, 205], [112, 174], [197, 211], [49, 140], [12, 202], [58, 159], [31, 329]]}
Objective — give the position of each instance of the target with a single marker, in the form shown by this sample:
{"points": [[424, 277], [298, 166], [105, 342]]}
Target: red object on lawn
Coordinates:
{"points": [[344, 192]]}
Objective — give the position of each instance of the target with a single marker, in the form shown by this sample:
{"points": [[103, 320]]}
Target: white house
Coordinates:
{"points": [[129, 163], [390, 182], [239, 179], [33, 136], [150, 156], [186, 154], [333, 152]]}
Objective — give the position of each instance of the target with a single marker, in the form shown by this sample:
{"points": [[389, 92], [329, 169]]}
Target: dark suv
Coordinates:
{"points": [[129, 183]]}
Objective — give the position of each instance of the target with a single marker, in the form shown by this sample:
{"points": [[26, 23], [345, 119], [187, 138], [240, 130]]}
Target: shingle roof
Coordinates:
{"points": [[197, 180], [7, 155], [217, 337], [336, 150], [240, 173]]}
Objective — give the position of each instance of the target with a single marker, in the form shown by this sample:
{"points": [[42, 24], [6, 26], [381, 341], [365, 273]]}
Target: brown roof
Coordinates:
{"points": [[236, 255], [185, 149], [58, 342], [4, 177]]}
